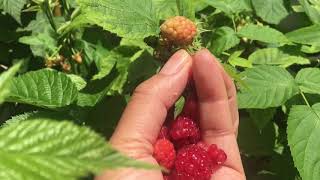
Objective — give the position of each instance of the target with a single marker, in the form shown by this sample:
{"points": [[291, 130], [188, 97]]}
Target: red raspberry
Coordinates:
{"points": [[164, 153], [217, 155], [165, 177], [193, 162], [190, 108], [178, 31], [164, 133], [184, 131]]}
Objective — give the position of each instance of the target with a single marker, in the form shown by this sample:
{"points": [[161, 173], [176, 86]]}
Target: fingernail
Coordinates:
{"points": [[175, 63]]}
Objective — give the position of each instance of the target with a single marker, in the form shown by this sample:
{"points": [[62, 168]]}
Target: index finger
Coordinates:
{"points": [[215, 115]]}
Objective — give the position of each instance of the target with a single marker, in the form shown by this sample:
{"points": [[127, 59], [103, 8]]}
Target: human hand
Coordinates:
{"points": [[144, 116]]}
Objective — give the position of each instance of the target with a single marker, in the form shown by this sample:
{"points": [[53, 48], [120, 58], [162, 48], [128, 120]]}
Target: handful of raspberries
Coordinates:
{"points": [[180, 150]]}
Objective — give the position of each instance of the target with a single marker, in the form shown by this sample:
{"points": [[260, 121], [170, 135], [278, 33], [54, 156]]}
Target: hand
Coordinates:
{"points": [[141, 122]]}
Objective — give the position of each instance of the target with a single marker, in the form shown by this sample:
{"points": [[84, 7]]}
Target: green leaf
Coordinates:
{"points": [[105, 61], [47, 149], [178, 107], [13, 7], [45, 88], [5, 81], [263, 34], [223, 39], [186, 8], [274, 56], [308, 80], [261, 117], [310, 49], [235, 60], [128, 18], [42, 44], [271, 11], [307, 35], [166, 8], [268, 86], [303, 138], [312, 12], [42, 24], [229, 7], [78, 81]]}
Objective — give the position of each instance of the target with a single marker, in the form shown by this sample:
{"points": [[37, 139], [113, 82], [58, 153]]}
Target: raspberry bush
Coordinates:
{"points": [[67, 64]]}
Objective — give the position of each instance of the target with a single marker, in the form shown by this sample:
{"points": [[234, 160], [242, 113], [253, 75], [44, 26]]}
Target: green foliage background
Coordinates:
{"points": [[69, 67]]}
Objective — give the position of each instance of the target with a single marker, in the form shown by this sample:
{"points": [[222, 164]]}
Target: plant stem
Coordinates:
{"points": [[304, 98], [66, 9], [46, 8], [234, 24]]}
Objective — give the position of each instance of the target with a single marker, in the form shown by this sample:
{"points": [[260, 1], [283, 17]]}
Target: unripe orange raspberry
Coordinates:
{"points": [[178, 31]]}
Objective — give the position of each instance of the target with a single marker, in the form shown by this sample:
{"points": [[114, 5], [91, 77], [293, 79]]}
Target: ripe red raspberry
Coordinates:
{"points": [[164, 133], [184, 131], [178, 31], [217, 155], [164, 153], [193, 162], [190, 108]]}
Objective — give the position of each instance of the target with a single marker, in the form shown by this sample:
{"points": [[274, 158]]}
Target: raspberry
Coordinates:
{"points": [[184, 131], [164, 133], [164, 153], [193, 162], [178, 30], [217, 155], [222, 157], [190, 108]]}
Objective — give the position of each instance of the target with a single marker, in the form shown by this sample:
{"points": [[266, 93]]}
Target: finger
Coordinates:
{"points": [[147, 110], [215, 116], [212, 93], [231, 92]]}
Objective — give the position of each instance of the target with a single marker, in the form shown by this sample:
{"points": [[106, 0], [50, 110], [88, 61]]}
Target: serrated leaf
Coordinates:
{"points": [[105, 61], [223, 39], [236, 60], [312, 12], [127, 18], [78, 81], [229, 7], [186, 8], [42, 44], [13, 7], [303, 138], [274, 56], [45, 88], [166, 8], [310, 49], [263, 34], [47, 149], [271, 11], [42, 24], [268, 86], [308, 80], [5, 78], [308, 35]]}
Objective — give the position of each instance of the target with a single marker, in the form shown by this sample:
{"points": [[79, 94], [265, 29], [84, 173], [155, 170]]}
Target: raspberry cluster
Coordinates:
{"points": [[180, 150]]}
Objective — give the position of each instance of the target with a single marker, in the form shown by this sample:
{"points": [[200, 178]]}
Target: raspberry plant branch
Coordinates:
{"points": [[305, 99]]}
